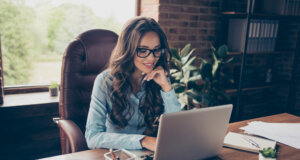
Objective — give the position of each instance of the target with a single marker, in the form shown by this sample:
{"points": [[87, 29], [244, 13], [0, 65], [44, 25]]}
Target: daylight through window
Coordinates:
{"points": [[35, 33]]}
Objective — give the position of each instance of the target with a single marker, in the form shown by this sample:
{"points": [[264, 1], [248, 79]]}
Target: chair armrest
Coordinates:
{"points": [[74, 135]]}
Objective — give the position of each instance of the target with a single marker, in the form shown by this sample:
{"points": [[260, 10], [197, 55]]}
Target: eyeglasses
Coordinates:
{"points": [[143, 52]]}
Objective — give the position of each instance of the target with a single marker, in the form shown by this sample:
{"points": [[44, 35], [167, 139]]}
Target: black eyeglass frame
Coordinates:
{"points": [[150, 51]]}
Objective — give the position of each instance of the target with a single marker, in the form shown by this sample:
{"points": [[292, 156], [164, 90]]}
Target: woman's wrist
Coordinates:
{"points": [[148, 143], [167, 87]]}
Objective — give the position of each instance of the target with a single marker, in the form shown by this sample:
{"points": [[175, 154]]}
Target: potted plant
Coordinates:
{"points": [[199, 86], [267, 154], [53, 89]]}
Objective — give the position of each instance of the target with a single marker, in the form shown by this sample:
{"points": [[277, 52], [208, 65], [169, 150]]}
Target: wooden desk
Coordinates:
{"points": [[285, 152]]}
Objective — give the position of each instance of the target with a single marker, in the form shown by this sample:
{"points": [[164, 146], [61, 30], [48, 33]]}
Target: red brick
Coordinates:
{"points": [[168, 8], [183, 24], [168, 23], [163, 15], [203, 10], [183, 31], [171, 37], [194, 17], [182, 37], [192, 38], [190, 9], [203, 31], [173, 16], [183, 16], [173, 30], [193, 24], [202, 24]]}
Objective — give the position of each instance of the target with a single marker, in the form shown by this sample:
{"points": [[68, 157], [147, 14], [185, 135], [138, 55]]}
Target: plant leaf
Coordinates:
{"points": [[172, 71], [189, 68], [177, 75], [228, 60], [182, 97], [177, 64], [185, 50], [178, 87], [215, 67], [222, 51], [185, 78], [195, 86], [185, 58], [195, 78], [206, 70], [184, 67], [174, 53], [194, 95]]}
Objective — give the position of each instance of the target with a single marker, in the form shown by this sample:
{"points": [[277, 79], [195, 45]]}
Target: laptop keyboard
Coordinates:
{"points": [[147, 157]]}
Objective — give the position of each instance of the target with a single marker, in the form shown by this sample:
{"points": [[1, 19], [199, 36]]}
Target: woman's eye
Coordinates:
{"points": [[142, 50]]}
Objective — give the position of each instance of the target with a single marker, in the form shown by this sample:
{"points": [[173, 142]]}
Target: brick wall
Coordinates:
{"points": [[186, 21]]}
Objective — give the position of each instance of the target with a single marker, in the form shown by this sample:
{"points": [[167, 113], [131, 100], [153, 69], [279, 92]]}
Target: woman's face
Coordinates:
{"points": [[149, 43]]}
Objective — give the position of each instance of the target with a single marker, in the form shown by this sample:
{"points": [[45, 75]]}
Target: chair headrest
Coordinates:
{"points": [[98, 45]]}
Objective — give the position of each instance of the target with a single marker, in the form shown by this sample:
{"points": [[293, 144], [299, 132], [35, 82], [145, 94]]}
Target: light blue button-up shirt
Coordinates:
{"points": [[100, 130]]}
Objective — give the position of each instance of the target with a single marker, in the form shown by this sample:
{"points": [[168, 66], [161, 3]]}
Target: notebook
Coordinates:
{"points": [[247, 142]]}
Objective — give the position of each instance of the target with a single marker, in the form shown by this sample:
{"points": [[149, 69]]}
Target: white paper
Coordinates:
{"points": [[286, 133]]}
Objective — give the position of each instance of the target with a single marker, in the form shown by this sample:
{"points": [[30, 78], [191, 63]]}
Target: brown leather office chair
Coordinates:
{"points": [[83, 60]]}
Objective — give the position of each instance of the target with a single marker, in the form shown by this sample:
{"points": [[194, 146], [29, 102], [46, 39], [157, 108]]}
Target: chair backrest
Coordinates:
{"points": [[83, 60]]}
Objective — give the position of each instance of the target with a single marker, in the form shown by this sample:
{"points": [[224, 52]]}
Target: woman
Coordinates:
{"points": [[129, 97]]}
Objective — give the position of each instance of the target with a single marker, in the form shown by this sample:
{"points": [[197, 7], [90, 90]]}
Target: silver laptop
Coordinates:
{"points": [[192, 135]]}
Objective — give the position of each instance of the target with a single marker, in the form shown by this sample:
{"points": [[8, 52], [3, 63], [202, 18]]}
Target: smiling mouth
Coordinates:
{"points": [[149, 65]]}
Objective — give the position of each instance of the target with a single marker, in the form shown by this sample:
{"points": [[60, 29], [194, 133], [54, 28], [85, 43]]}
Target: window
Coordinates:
{"points": [[35, 33]]}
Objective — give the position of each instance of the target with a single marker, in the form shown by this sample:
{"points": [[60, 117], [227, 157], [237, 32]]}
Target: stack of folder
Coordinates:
{"points": [[261, 37]]}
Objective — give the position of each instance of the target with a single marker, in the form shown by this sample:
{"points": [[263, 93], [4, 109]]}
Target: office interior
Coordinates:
{"points": [[265, 73]]}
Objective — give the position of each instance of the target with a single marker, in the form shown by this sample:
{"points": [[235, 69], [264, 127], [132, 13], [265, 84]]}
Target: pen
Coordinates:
{"points": [[251, 142], [112, 154]]}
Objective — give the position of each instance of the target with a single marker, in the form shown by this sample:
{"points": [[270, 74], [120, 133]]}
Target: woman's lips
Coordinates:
{"points": [[149, 65]]}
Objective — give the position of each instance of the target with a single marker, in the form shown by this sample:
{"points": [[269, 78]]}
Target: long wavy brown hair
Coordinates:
{"points": [[122, 68]]}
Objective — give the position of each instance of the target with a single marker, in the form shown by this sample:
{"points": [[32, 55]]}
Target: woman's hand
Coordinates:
{"points": [[149, 143], [160, 77]]}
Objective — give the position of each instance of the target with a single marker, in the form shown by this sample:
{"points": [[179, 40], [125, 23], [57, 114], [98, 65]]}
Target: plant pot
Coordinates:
{"points": [[53, 92], [261, 157]]}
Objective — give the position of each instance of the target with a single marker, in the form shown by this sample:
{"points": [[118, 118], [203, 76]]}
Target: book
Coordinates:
{"points": [[247, 142]]}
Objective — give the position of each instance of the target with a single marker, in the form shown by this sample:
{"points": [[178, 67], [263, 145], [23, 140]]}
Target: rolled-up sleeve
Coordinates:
{"points": [[96, 135]]}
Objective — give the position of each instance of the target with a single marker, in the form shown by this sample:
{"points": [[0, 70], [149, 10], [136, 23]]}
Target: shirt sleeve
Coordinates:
{"points": [[96, 135], [171, 102]]}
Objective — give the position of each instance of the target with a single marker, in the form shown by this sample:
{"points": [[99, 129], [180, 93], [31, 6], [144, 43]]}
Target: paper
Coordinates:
{"points": [[240, 141], [286, 133]]}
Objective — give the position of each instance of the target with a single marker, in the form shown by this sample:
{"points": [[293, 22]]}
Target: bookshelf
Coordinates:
{"points": [[258, 22], [274, 52], [232, 14]]}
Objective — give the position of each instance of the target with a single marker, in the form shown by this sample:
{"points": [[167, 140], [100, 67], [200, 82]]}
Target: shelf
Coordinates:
{"points": [[256, 88], [275, 52], [232, 14]]}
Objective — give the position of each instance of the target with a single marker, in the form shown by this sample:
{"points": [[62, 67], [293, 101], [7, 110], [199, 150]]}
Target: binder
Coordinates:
{"points": [[260, 35], [250, 36], [270, 49], [236, 34], [256, 31]]}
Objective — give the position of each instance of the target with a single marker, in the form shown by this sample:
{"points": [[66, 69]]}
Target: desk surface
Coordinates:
{"points": [[285, 152]]}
